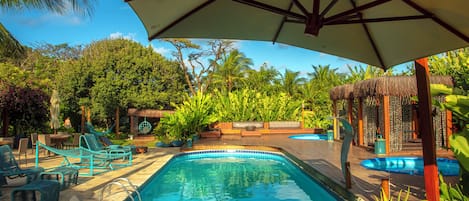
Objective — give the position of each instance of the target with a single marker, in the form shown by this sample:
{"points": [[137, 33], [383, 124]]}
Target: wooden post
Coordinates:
{"points": [[432, 187], [131, 117], [348, 176], [335, 123], [386, 123], [350, 111], [415, 124], [117, 121], [83, 120], [360, 122], [385, 188], [88, 117], [449, 127]]}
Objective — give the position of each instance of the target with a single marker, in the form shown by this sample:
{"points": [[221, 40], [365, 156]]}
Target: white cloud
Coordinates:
{"points": [[161, 50], [118, 35]]}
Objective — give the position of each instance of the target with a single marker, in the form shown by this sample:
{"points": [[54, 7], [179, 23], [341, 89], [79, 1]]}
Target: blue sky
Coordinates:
{"points": [[114, 18]]}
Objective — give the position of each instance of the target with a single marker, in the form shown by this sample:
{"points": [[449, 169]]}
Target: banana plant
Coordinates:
{"points": [[459, 105]]}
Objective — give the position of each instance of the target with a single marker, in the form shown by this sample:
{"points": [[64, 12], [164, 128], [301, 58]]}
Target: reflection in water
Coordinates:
{"points": [[233, 176]]}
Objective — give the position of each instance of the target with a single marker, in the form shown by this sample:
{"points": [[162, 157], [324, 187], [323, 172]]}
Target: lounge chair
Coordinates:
{"points": [[89, 159], [89, 142], [108, 144], [91, 130], [10, 168]]}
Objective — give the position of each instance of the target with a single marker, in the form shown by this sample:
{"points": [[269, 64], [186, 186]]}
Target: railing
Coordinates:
{"points": [[124, 184]]}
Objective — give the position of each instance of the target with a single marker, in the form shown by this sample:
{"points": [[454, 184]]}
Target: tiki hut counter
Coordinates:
{"points": [[384, 108]]}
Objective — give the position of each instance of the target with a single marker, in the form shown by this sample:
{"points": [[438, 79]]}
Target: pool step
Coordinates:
{"points": [[412, 145]]}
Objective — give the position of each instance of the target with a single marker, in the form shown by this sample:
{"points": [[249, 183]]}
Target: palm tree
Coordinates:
{"points": [[291, 81], [231, 72], [9, 46], [358, 73], [262, 80]]}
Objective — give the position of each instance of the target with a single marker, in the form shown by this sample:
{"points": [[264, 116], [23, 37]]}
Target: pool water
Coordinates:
{"points": [[309, 137], [233, 175], [411, 165]]}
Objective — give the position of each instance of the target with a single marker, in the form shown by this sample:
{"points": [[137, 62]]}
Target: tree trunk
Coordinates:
{"points": [[117, 122]]}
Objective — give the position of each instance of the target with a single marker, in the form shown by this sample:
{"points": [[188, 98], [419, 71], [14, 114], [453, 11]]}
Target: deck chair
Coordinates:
{"points": [[108, 144], [23, 149], [45, 139], [10, 168], [91, 130], [75, 142], [89, 143], [33, 142]]}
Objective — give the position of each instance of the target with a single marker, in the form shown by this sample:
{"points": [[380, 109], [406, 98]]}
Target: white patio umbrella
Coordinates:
{"points": [[54, 110], [382, 33]]}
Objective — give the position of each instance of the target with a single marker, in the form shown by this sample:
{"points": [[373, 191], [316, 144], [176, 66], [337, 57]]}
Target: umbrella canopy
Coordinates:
{"points": [[54, 110], [382, 33]]}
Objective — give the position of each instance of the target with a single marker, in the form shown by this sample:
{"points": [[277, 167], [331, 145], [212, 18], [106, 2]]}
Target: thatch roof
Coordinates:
{"points": [[148, 113], [341, 92], [401, 86]]}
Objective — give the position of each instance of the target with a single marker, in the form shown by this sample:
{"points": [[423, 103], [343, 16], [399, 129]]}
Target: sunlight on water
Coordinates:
{"points": [[233, 176]]}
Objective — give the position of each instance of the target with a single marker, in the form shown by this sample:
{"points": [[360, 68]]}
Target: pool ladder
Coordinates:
{"points": [[125, 185]]}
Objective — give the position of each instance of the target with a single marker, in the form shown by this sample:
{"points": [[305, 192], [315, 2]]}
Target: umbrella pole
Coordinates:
{"points": [[426, 130]]}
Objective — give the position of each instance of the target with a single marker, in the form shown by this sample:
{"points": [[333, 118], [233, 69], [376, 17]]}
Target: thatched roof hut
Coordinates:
{"points": [[400, 86]]}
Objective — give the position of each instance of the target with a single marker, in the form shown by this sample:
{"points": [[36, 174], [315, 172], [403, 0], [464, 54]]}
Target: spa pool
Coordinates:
{"points": [[411, 165], [309, 137], [233, 175]]}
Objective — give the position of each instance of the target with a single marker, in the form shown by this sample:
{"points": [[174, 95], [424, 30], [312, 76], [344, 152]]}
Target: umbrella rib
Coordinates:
{"points": [[181, 19], [301, 7], [355, 10], [385, 19], [329, 7], [272, 9], [438, 20], [277, 33]]}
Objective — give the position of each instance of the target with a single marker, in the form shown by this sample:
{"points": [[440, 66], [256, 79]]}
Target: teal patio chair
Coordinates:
{"points": [[9, 167], [108, 144], [91, 144]]}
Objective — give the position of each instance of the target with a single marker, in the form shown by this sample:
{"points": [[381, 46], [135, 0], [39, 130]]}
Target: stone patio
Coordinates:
{"points": [[321, 155]]}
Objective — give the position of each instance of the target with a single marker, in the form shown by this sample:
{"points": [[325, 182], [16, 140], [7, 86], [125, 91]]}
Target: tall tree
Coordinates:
{"points": [[262, 80], [198, 64], [358, 73], [231, 72], [291, 82], [126, 74]]}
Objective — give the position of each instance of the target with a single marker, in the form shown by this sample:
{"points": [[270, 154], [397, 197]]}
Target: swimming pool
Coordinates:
{"points": [[233, 175], [411, 165], [309, 137]]}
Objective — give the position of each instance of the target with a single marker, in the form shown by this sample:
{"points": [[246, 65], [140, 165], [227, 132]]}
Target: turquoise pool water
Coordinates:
{"points": [[233, 175], [411, 165], [309, 137]]}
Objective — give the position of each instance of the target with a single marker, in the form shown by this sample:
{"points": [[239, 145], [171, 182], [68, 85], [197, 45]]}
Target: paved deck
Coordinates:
{"points": [[322, 155]]}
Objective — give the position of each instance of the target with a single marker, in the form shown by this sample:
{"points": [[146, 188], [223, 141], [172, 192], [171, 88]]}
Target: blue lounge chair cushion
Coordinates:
{"points": [[9, 167], [50, 191]]}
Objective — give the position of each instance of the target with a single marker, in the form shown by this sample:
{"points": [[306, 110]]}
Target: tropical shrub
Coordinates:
{"points": [[249, 105], [383, 196], [450, 193], [191, 117], [459, 105]]}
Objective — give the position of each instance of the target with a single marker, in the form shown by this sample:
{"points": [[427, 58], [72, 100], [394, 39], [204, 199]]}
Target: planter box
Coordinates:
{"points": [[224, 125], [210, 134]]}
